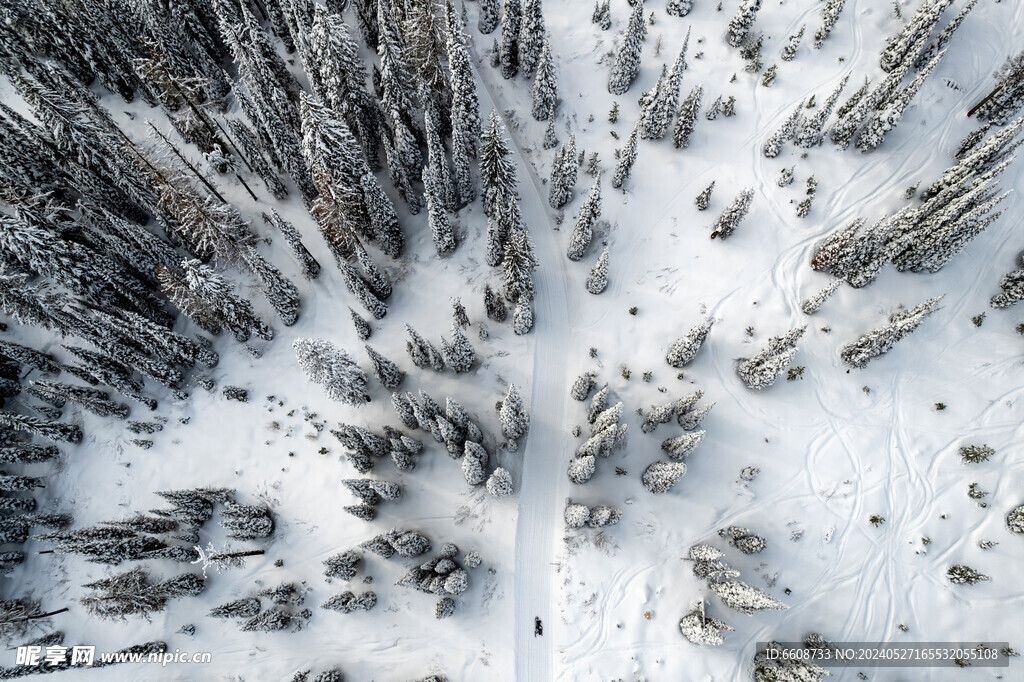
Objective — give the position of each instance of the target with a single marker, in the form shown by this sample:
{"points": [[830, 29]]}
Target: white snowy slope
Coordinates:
{"points": [[833, 446]]}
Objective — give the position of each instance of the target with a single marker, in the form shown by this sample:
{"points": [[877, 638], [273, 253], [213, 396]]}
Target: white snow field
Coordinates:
{"points": [[833, 446]]}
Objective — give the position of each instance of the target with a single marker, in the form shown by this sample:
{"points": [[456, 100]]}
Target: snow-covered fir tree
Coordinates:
{"points": [[545, 88], [700, 629], [829, 16], [1007, 99], [494, 305], [678, 8], [583, 232], [812, 304], [489, 16], [325, 364], [602, 15], [716, 108], [437, 216], [683, 350], [1011, 289], [597, 279], [739, 596], [581, 469], [658, 106], [532, 38], [511, 21], [809, 133], [627, 157], [362, 327], [731, 217], [518, 264], [880, 341], [387, 372], [564, 171], [474, 463], [762, 370], [659, 477], [742, 21], [900, 48], [687, 120], [499, 484], [582, 386], [513, 416], [459, 354], [626, 64], [680, 447], [789, 50], [310, 266], [703, 199]]}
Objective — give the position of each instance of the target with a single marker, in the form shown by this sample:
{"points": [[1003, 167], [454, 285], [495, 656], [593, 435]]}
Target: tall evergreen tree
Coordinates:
{"points": [[731, 217], [880, 341], [656, 116], [532, 37], [688, 112], [583, 232], [597, 280], [489, 15], [545, 88], [511, 21], [325, 364], [742, 21], [627, 157], [627, 58]]}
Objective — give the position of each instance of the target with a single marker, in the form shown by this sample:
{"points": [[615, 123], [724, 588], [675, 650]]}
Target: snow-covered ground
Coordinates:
{"points": [[833, 447]]}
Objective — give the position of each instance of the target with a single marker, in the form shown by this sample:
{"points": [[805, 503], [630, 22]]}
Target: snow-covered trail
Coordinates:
{"points": [[542, 463]]}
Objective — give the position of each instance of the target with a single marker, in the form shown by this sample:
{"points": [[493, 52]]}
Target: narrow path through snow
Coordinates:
{"points": [[543, 474]]}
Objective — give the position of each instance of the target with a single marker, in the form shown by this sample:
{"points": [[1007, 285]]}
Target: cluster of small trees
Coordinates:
{"points": [[708, 564], [284, 612], [606, 431], [365, 446], [1007, 99], [579, 515], [442, 575], [1011, 288], [370, 493]]}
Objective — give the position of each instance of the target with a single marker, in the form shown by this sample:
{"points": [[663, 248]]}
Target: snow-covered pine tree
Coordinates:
{"points": [[499, 484], [489, 16], [564, 171], [474, 463], [716, 108], [659, 477], [656, 116], [829, 16], [497, 172], [883, 121], [687, 120], [583, 232], [681, 446], [880, 341], [532, 37], [387, 372], [940, 41], [678, 8], [581, 469], [545, 88], [513, 416], [739, 596], [627, 158], [310, 266], [459, 354], [1007, 99], [762, 370], [626, 65], [440, 173], [519, 263], [597, 279], [465, 118], [362, 326], [731, 217], [1011, 289], [785, 133], [810, 132], [900, 49], [494, 305], [384, 226], [700, 629], [703, 199], [682, 352], [440, 226], [602, 15], [742, 22], [358, 287], [582, 386], [511, 20], [332, 368], [812, 304], [793, 44]]}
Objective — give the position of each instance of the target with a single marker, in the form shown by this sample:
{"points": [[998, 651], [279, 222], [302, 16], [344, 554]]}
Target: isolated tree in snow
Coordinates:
{"points": [[682, 352], [659, 477], [513, 416], [362, 326], [700, 629], [762, 370], [597, 279], [742, 21], [811, 305], [880, 341], [545, 88], [703, 199], [626, 64], [731, 217], [741, 597], [716, 108], [333, 368], [583, 232], [564, 171], [688, 112], [627, 158]]}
